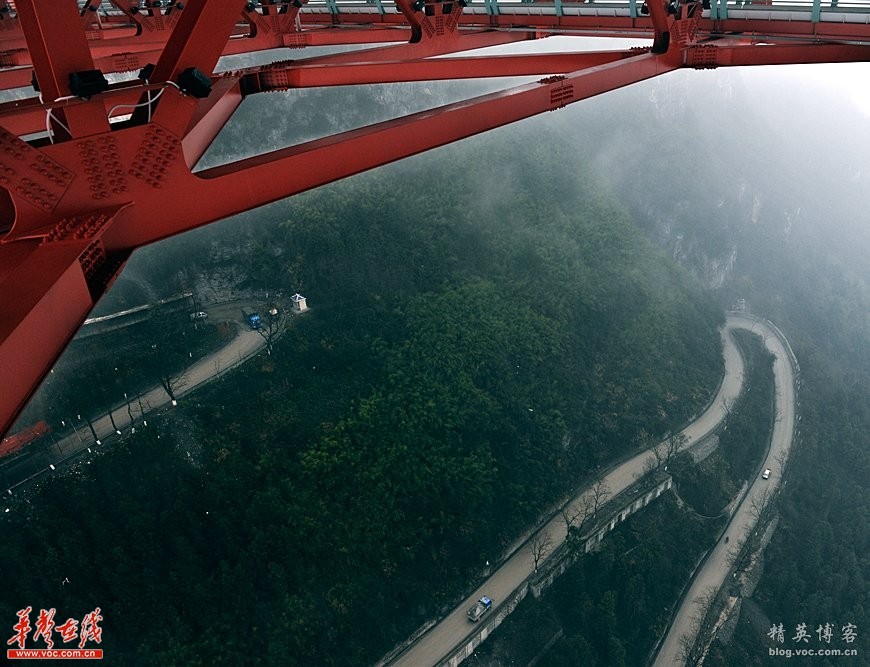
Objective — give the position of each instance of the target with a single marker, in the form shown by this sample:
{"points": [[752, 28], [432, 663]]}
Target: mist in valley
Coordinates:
{"points": [[721, 185]]}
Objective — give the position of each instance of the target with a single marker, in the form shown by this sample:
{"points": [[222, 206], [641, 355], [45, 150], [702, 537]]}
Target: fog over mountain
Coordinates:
{"points": [[491, 322], [754, 179], [757, 181]]}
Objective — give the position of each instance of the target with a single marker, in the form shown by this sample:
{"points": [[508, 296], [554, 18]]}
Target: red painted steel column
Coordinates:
{"points": [[209, 118], [56, 53], [199, 38], [436, 69], [196, 42], [45, 298]]}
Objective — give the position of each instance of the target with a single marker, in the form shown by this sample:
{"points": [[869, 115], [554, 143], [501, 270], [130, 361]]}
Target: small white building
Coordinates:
{"points": [[298, 302]]}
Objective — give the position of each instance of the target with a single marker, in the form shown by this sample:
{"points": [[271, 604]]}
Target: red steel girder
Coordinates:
{"points": [[325, 160], [73, 211], [467, 41], [603, 25], [20, 75], [90, 202], [282, 77], [28, 116], [136, 33], [118, 47], [196, 44], [159, 169], [58, 53], [713, 54], [23, 117], [131, 58], [198, 39]]}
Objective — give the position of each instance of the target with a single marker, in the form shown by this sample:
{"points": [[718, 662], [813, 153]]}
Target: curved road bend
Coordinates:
{"points": [[241, 346], [715, 568], [442, 637]]}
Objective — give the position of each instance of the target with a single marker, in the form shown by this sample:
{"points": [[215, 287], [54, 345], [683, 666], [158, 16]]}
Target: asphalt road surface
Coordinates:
{"points": [[714, 570], [245, 343], [438, 642], [435, 644]]}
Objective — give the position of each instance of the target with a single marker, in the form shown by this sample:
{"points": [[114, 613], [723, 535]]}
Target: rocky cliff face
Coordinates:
{"points": [[709, 172], [715, 169]]}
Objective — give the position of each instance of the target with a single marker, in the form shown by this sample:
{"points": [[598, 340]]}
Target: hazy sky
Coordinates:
{"points": [[853, 78]]}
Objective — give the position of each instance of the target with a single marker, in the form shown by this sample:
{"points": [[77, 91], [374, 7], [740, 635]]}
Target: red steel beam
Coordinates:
{"points": [[209, 118], [120, 49], [735, 55], [58, 52], [27, 116], [111, 40], [304, 76], [72, 212], [45, 299], [198, 38], [69, 252], [623, 26], [133, 57], [23, 117], [196, 42], [466, 41], [325, 160]]}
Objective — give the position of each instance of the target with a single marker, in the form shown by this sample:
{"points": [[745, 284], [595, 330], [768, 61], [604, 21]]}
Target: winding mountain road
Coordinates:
{"points": [[716, 568], [442, 638], [451, 631], [245, 343]]}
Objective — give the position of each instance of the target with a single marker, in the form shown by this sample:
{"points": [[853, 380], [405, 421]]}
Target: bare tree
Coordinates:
{"points": [[570, 513], [72, 398], [675, 444], [665, 452], [273, 322], [141, 409], [693, 645], [761, 507], [112, 419], [732, 558], [130, 414], [581, 515], [669, 449], [539, 546], [687, 644], [575, 515], [600, 494], [578, 516], [164, 370], [169, 336], [93, 431]]}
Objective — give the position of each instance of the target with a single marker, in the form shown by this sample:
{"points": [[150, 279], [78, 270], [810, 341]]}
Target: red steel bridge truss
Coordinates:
{"points": [[91, 170]]}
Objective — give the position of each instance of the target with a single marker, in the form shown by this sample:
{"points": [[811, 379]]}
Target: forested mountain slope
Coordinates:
{"points": [[744, 178], [487, 328]]}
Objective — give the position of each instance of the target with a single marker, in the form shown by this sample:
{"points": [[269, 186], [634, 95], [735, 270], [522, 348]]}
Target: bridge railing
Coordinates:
{"points": [[805, 10]]}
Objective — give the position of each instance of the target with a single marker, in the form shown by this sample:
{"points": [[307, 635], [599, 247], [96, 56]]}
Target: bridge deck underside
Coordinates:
{"points": [[86, 163]]}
